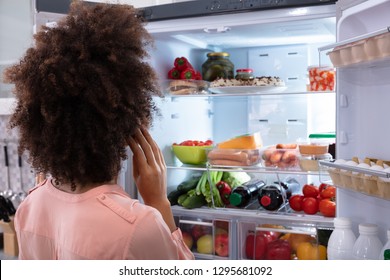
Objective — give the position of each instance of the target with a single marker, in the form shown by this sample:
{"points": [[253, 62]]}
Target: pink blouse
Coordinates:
{"points": [[102, 223]]}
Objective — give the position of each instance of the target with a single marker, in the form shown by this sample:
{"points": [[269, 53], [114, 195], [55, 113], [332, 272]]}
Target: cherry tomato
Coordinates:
{"points": [[328, 192], [295, 202], [322, 186], [310, 205], [310, 191], [187, 143], [327, 207]]}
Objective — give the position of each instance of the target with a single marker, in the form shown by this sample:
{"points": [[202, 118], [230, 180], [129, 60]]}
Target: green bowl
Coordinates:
{"points": [[191, 154]]}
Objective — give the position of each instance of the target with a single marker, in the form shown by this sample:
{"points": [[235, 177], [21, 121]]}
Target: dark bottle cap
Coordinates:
{"points": [[265, 200], [235, 199], [386, 254]]}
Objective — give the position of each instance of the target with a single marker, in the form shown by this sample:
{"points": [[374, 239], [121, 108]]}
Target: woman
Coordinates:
{"points": [[84, 94]]}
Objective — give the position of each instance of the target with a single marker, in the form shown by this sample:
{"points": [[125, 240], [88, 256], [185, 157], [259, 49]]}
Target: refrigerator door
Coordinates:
{"points": [[362, 100]]}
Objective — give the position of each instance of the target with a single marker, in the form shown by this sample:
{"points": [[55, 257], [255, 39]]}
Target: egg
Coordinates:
{"points": [[340, 161], [363, 166], [375, 167], [349, 163]]}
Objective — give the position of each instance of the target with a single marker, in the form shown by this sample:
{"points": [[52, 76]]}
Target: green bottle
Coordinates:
{"points": [[386, 254]]}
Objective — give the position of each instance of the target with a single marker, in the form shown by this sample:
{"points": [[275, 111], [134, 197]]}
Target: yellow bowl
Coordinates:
{"points": [[191, 154]]}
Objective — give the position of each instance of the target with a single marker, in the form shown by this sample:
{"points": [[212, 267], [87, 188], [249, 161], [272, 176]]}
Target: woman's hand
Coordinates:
{"points": [[150, 174]]}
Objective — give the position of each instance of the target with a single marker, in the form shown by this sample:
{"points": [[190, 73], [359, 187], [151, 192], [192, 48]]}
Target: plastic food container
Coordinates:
{"points": [[321, 78], [233, 157], [313, 149], [186, 87], [282, 158], [318, 144], [310, 162]]}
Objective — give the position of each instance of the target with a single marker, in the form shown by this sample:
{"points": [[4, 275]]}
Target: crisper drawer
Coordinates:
{"points": [[207, 238], [281, 241]]}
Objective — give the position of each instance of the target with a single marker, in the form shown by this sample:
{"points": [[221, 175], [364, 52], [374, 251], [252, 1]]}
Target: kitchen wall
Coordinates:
{"points": [[16, 21]]}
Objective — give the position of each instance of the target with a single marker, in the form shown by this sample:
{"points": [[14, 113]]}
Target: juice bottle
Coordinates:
{"points": [[271, 197], [242, 196]]}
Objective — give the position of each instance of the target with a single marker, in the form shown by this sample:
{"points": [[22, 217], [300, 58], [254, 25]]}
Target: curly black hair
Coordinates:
{"points": [[82, 90]]}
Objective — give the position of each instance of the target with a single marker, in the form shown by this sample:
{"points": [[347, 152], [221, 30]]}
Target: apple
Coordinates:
{"points": [[278, 250], [199, 230], [255, 246], [204, 244], [220, 230], [188, 240], [222, 224], [221, 244]]}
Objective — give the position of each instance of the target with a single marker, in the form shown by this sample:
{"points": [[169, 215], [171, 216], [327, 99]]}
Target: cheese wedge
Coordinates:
{"points": [[247, 141]]}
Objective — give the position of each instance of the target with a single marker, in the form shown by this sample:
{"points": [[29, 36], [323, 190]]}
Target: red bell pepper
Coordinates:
{"points": [[224, 191], [174, 73], [188, 74], [198, 75], [182, 63]]}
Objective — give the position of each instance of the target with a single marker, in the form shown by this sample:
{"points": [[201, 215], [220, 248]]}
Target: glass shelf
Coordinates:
{"points": [[249, 169], [249, 94]]}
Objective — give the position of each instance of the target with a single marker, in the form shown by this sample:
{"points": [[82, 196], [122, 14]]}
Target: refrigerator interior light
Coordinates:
{"points": [[298, 12], [222, 29]]}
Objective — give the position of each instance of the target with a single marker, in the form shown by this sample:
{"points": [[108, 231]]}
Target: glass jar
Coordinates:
{"points": [[244, 74], [217, 66]]}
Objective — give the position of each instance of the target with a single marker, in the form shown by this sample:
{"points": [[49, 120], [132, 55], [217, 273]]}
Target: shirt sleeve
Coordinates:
{"points": [[152, 240]]}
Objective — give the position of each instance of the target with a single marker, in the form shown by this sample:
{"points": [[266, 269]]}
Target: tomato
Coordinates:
{"points": [[322, 186], [328, 192], [186, 143], [311, 251], [295, 202], [310, 190], [278, 250], [310, 205], [327, 207], [195, 143]]}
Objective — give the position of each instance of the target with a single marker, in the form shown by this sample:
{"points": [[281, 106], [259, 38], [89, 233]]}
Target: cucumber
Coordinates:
{"points": [[182, 198], [188, 184], [194, 201], [174, 195]]}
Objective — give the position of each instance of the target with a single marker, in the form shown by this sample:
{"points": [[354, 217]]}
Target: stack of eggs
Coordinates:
{"points": [[384, 184], [363, 176]]}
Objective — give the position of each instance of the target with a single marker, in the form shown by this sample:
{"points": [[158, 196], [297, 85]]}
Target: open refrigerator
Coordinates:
{"points": [[274, 38], [280, 41]]}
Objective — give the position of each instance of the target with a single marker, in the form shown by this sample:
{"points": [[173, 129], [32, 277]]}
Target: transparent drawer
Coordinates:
{"points": [[207, 238], [277, 241]]}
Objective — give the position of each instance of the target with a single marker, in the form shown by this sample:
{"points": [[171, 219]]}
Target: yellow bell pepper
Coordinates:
{"points": [[311, 251]]}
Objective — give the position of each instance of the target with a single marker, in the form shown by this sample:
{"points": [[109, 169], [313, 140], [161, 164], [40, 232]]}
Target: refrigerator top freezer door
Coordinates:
{"points": [[192, 8], [211, 7]]}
